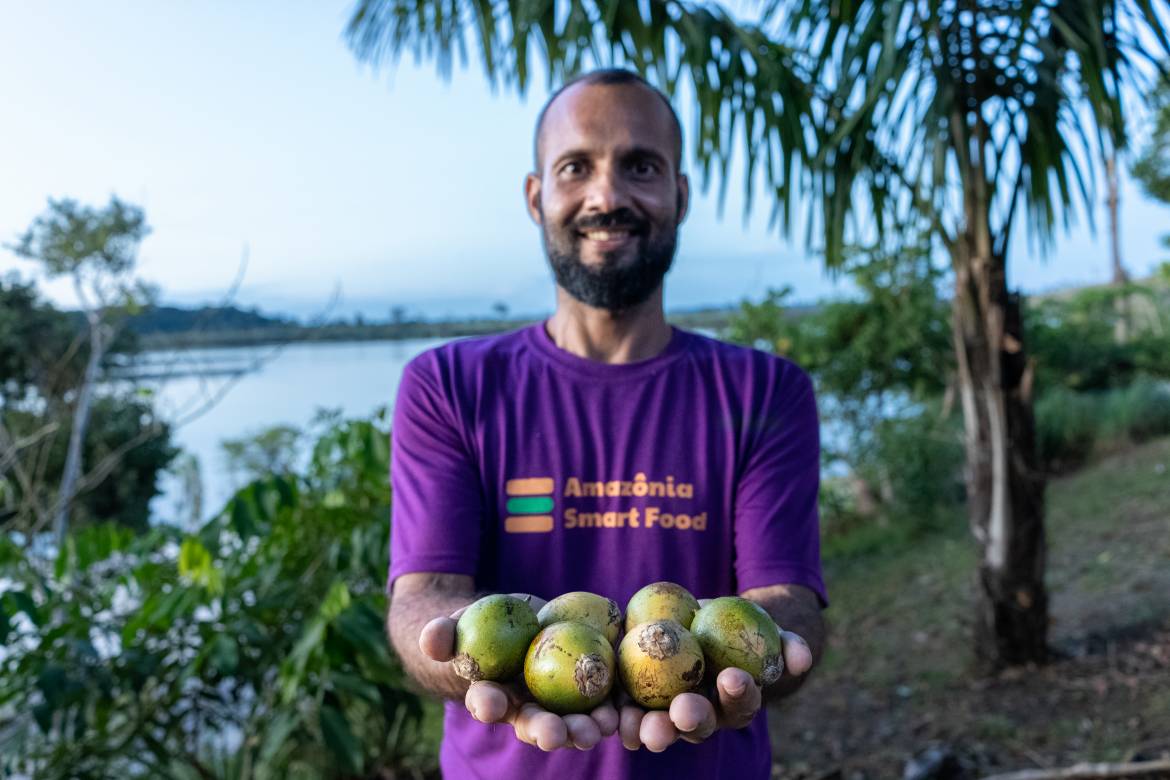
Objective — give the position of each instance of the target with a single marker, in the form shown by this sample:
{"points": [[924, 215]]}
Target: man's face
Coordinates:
{"points": [[608, 196]]}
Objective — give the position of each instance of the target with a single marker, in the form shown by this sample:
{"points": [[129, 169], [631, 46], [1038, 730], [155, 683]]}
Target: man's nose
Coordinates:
{"points": [[606, 191]]}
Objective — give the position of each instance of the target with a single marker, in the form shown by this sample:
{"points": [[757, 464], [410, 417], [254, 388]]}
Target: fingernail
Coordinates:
{"points": [[474, 714], [736, 690]]}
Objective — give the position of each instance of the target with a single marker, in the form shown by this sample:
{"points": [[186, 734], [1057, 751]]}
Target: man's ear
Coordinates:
{"points": [[684, 198], [532, 197]]}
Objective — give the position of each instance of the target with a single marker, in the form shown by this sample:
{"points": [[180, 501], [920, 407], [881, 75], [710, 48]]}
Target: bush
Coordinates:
{"points": [[904, 479], [1071, 427], [251, 649]]}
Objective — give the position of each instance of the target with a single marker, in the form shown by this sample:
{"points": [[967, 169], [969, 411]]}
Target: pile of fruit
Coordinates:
{"points": [[566, 651]]}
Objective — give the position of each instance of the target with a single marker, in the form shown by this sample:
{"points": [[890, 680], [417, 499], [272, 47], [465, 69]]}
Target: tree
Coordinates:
{"points": [[968, 115], [960, 115], [1152, 168], [97, 250]]}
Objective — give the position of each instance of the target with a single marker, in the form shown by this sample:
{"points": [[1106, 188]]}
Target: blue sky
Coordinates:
{"points": [[252, 124]]}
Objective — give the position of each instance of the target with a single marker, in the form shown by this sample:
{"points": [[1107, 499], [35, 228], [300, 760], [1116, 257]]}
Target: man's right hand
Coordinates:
{"points": [[490, 702]]}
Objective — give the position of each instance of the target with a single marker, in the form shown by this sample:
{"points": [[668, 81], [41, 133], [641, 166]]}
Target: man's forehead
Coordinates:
{"points": [[607, 117]]}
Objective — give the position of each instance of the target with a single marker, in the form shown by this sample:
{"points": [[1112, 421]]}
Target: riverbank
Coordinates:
{"points": [[712, 319]]}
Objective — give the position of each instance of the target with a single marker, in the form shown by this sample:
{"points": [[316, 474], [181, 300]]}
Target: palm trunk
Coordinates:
{"points": [[1005, 486], [1113, 205]]}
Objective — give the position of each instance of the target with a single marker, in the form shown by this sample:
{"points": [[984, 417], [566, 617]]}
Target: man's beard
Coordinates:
{"points": [[610, 286]]}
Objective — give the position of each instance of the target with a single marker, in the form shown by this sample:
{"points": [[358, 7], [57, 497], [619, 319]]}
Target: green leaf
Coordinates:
{"points": [[225, 654], [280, 728], [340, 740]]}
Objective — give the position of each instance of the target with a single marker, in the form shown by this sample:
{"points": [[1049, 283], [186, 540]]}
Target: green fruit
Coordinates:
{"points": [[658, 661], [661, 601], [492, 636], [583, 607], [738, 633], [569, 668]]}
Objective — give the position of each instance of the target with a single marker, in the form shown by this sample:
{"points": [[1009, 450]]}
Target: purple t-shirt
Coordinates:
{"points": [[537, 471]]}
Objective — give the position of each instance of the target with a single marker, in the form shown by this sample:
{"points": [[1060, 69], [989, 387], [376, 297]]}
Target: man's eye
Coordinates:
{"points": [[644, 168], [572, 168]]}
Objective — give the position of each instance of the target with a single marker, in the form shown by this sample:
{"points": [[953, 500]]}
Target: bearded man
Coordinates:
{"points": [[604, 393]]}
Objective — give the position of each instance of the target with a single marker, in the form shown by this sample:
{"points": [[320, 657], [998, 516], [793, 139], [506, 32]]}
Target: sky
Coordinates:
{"points": [[250, 128]]}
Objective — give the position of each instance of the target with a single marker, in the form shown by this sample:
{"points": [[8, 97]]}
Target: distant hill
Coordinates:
{"points": [[166, 327], [173, 320]]}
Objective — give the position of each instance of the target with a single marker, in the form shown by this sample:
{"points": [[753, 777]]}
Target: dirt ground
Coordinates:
{"points": [[897, 681]]}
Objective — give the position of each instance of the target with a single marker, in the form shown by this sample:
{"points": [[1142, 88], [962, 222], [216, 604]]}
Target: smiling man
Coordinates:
{"points": [[503, 446]]}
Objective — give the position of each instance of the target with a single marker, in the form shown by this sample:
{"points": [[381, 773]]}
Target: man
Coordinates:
{"points": [[603, 450]]}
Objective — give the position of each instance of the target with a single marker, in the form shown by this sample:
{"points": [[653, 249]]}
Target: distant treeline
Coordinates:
{"points": [[167, 327]]}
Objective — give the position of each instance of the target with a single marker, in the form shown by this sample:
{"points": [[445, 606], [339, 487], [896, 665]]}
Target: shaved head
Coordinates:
{"points": [[607, 77]]}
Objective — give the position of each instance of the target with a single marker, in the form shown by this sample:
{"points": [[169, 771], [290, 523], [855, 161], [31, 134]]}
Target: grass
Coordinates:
{"points": [[898, 671]]}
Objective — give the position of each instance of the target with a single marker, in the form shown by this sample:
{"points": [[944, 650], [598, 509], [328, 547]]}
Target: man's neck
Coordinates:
{"points": [[636, 334]]}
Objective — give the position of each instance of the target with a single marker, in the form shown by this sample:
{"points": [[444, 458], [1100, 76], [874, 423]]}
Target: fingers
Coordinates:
{"points": [[657, 732], [798, 658], [629, 727], [539, 727], [583, 731], [693, 716], [437, 640], [487, 702], [739, 698], [606, 718]]}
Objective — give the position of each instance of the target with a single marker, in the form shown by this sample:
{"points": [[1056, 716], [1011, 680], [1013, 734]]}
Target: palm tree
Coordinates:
{"points": [[965, 116]]}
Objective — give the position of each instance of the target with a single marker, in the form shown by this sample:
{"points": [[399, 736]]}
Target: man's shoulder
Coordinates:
{"points": [[746, 363], [462, 354]]}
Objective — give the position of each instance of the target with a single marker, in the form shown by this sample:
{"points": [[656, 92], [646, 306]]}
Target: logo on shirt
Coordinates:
{"points": [[530, 505], [531, 501]]}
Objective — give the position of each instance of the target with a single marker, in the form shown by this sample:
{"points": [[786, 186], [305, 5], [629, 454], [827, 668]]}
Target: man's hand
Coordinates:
{"points": [[694, 717], [510, 703]]}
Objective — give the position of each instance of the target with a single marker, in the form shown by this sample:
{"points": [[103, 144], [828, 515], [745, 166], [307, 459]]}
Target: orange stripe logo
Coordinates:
{"points": [[533, 486], [528, 524]]}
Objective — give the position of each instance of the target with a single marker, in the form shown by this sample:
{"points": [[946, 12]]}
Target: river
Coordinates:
{"points": [[225, 393]]}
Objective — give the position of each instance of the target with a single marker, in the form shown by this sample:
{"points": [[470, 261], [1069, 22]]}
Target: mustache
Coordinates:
{"points": [[621, 219]]}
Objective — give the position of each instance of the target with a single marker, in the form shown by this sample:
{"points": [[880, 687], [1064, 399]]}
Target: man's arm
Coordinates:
{"points": [[797, 611], [416, 600]]}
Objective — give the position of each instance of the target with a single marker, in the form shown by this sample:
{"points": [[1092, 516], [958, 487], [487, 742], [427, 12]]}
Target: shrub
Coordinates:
{"points": [[1071, 427], [251, 649]]}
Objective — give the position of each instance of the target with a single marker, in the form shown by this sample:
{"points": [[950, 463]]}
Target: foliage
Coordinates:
{"points": [[1152, 167], [124, 437], [35, 344], [1077, 339], [893, 338], [1072, 427], [880, 362], [250, 649], [748, 86], [272, 450], [173, 319], [70, 239]]}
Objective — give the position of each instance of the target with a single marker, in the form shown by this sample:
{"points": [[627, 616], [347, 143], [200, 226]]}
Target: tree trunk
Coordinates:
{"points": [[97, 343], [1005, 486], [1113, 205]]}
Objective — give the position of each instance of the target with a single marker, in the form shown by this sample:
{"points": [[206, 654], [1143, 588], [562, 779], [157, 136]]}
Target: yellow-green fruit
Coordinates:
{"points": [[740, 633], [569, 668], [584, 607], [492, 636], [658, 661], [661, 601]]}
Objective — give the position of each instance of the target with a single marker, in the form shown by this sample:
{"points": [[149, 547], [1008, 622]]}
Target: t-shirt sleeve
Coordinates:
{"points": [[777, 531], [437, 500]]}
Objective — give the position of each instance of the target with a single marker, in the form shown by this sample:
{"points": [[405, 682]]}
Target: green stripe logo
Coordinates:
{"points": [[530, 505]]}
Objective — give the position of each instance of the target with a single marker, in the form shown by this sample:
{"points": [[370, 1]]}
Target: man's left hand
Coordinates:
{"points": [[694, 717]]}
